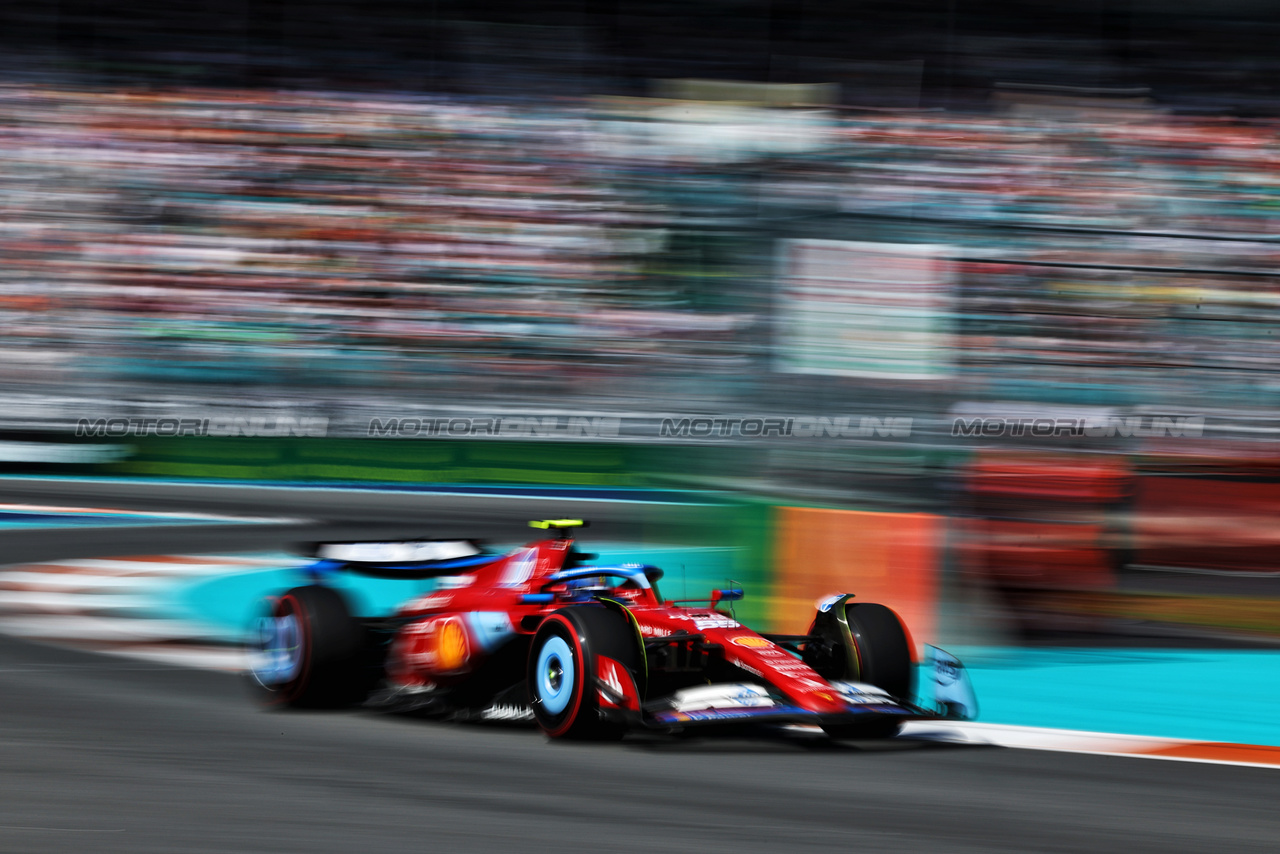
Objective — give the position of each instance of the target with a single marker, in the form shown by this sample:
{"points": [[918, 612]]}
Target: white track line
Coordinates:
{"points": [[108, 513], [1099, 743]]}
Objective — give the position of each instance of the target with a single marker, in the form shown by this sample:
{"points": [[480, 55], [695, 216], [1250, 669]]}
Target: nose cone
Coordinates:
{"points": [[802, 685], [822, 700]]}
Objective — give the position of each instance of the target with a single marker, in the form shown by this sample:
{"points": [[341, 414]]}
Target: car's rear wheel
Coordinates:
{"points": [[307, 651], [563, 663], [880, 655]]}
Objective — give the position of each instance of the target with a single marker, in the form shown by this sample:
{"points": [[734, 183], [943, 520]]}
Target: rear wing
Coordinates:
{"points": [[399, 559]]}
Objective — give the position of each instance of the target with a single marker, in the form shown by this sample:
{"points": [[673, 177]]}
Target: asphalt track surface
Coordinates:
{"points": [[106, 754]]}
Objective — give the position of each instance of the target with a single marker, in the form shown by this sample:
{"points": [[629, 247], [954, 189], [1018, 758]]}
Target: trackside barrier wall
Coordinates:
{"points": [[890, 558], [423, 461]]}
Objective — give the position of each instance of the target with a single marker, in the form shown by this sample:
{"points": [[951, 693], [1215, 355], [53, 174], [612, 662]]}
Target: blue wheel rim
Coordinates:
{"points": [[278, 656], [555, 674]]}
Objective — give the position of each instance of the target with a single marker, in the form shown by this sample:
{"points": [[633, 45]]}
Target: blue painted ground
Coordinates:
{"points": [[1209, 695]]}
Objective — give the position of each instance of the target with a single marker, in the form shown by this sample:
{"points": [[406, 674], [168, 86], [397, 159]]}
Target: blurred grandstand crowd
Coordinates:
{"points": [[589, 249], [320, 240]]}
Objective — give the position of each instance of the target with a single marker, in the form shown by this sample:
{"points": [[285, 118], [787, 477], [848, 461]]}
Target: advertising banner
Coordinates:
{"points": [[864, 309]]}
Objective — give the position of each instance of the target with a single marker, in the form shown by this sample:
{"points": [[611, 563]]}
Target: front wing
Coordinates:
{"points": [[944, 692]]}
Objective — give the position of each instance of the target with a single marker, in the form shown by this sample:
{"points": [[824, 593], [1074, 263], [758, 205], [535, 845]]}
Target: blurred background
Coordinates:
{"points": [[878, 224]]}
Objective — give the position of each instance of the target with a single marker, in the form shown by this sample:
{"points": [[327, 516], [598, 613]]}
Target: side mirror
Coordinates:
{"points": [[731, 594]]}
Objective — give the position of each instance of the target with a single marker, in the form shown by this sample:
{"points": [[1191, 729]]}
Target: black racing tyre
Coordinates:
{"points": [[307, 651], [884, 652], [562, 668], [884, 660]]}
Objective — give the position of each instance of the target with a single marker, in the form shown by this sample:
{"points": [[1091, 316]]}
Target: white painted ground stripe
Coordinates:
{"points": [[179, 560], [1098, 743], [1036, 738], [95, 586], [104, 603], [58, 509], [182, 566], [89, 627], [226, 659], [40, 601], [357, 491], [53, 577], [66, 582], [143, 515]]}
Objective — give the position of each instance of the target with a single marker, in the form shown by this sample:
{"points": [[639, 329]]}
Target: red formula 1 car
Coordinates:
{"points": [[587, 651]]}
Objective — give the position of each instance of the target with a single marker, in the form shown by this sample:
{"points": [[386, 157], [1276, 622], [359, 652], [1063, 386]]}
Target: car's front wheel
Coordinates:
{"points": [[564, 658], [875, 649]]}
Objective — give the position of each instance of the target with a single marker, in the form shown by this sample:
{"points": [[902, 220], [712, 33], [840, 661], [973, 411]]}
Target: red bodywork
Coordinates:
{"points": [[490, 605]]}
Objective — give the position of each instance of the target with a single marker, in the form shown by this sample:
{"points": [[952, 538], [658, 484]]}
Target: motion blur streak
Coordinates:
{"points": [[965, 308]]}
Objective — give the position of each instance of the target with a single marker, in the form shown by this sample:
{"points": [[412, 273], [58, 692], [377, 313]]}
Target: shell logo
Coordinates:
{"points": [[752, 642], [451, 646]]}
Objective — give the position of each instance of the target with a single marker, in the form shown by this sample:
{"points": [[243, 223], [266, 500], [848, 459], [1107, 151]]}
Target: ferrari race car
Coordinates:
{"points": [[586, 651]]}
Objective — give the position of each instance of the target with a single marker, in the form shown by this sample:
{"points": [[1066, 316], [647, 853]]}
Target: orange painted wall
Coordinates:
{"points": [[890, 558]]}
